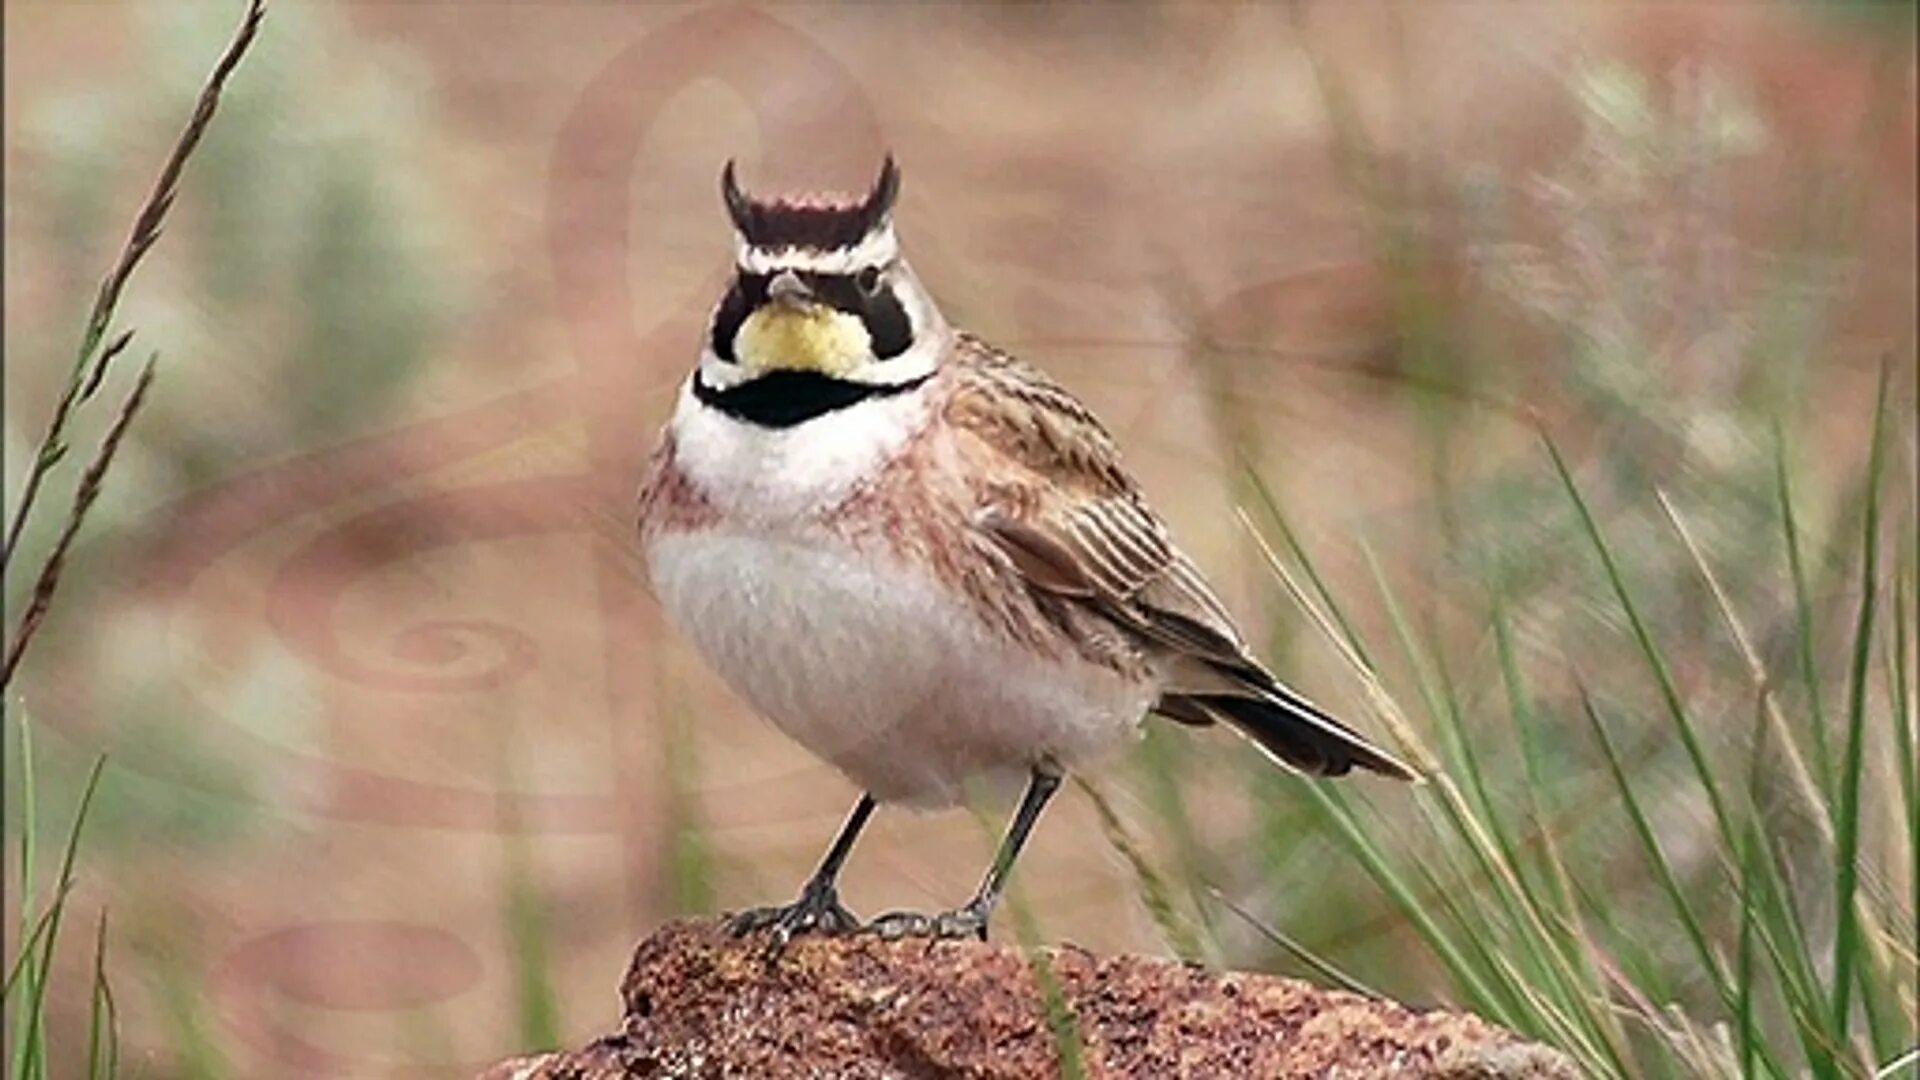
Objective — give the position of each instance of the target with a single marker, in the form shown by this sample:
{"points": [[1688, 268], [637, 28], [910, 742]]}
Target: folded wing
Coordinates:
{"points": [[1080, 530]]}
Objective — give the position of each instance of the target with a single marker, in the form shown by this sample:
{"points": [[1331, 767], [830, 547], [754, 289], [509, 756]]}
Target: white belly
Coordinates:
{"points": [[880, 670]]}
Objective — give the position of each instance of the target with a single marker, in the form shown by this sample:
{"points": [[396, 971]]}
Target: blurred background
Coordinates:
{"points": [[401, 761]]}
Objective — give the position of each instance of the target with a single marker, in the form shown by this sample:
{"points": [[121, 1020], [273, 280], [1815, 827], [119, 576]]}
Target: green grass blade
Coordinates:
{"points": [[34, 999], [1378, 864], [1556, 901], [103, 1019], [689, 858], [1769, 718], [1156, 893], [27, 1023], [28, 949], [182, 996], [1319, 965], [1063, 1024], [1163, 758], [1649, 650], [1804, 637], [1745, 1035], [1299, 553], [528, 926], [1907, 762], [1664, 873], [1846, 937]]}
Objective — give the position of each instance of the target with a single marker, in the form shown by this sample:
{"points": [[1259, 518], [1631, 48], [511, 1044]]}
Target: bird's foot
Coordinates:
{"points": [[818, 911], [966, 922]]}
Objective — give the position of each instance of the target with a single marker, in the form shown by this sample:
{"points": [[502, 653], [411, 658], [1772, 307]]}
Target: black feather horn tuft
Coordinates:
{"points": [[739, 207], [819, 223], [886, 189]]}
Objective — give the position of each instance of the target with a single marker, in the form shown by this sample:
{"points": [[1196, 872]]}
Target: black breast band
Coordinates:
{"points": [[783, 399]]}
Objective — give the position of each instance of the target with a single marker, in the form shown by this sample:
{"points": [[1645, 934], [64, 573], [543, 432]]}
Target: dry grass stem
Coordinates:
{"points": [[146, 231]]}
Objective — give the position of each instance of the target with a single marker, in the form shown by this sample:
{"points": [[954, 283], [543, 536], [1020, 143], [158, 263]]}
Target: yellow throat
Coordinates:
{"points": [[802, 337]]}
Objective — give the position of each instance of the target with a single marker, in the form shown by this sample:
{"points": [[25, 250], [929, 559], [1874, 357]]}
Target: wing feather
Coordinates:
{"points": [[1075, 525]]}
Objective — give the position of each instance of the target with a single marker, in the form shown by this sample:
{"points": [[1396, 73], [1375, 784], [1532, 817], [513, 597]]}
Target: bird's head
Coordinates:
{"points": [[821, 304]]}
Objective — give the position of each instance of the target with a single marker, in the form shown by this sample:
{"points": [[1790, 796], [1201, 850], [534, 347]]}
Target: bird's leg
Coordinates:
{"points": [[818, 909], [970, 920]]}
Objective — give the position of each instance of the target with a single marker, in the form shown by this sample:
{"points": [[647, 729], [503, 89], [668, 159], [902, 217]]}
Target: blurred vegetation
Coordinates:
{"points": [[1667, 689], [306, 280]]}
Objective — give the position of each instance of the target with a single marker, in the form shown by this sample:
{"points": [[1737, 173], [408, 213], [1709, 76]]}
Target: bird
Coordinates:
{"points": [[922, 558]]}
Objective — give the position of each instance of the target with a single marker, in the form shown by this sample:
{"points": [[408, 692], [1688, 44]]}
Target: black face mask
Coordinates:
{"points": [[865, 296]]}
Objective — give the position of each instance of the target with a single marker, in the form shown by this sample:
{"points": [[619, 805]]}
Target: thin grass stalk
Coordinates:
{"points": [[1298, 552], [1062, 1022], [1458, 811], [1156, 894], [528, 926], [1906, 766], [1643, 637], [1899, 1066], [1802, 782], [1520, 709], [91, 482], [1804, 638], [1637, 1003], [146, 230], [1625, 951], [1846, 855], [1792, 958], [34, 998], [1440, 705], [1561, 907], [1455, 804], [27, 1022], [1521, 712], [34, 966], [1351, 650], [1495, 857], [1465, 975], [103, 1016], [1801, 993], [1664, 873], [1746, 1032], [1162, 761], [29, 945], [1319, 965]]}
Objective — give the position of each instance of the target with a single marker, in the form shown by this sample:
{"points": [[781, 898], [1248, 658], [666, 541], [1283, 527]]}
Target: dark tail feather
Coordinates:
{"points": [[1296, 732]]}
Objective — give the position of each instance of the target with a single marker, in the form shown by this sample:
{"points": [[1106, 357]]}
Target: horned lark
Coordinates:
{"points": [[920, 557]]}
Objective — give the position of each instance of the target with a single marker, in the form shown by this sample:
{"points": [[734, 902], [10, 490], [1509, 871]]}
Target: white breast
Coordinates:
{"points": [[878, 668]]}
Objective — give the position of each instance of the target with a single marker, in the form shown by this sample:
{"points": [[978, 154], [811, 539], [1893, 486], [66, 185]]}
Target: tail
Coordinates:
{"points": [[1290, 729]]}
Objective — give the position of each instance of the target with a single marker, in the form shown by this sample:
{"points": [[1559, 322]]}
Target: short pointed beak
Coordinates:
{"points": [[787, 288]]}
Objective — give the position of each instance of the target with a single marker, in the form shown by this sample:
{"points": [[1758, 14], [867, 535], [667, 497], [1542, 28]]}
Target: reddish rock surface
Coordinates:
{"points": [[700, 1004]]}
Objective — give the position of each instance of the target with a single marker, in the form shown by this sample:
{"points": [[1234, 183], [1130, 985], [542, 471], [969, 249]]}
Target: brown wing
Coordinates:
{"points": [[1068, 512], [1076, 525]]}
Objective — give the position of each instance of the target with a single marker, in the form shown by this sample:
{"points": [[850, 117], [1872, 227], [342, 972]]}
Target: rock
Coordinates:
{"points": [[699, 1003]]}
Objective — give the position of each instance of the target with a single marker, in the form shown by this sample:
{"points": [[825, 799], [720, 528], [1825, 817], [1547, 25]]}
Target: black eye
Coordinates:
{"points": [[868, 280]]}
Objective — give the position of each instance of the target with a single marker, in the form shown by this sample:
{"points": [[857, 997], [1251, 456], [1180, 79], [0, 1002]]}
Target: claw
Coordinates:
{"points": [[817, 911], [966, 922]]}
